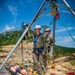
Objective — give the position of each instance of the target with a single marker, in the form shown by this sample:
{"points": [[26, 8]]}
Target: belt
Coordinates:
{"points": [[39, 49]]}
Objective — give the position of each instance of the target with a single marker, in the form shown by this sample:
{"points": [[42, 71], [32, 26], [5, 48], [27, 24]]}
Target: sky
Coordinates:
{"points": [[14, 12]]}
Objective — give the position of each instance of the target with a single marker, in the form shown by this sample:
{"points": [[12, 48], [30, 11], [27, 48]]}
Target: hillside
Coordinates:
{"points": [[11, 37], [64, 57], [63, 51]]}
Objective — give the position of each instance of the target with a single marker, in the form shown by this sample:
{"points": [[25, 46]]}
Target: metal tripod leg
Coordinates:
{"points": [[22, 36], [53, 64], [67, 5]]}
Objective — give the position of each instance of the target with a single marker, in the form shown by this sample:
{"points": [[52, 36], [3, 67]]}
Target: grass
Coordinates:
{"points": [[3, 51], [72, 62], [63, 51]]}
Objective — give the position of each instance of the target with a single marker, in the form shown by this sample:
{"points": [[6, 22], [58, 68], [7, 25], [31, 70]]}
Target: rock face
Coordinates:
{"points": [[4, 72], [19, 56], [62, 66]]}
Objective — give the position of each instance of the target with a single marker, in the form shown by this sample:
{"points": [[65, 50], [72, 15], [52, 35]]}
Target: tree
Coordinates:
{"points": [[44, 27]]}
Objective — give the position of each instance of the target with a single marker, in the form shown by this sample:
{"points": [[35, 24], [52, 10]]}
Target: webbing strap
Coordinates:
{"points": [[35, 39], [19, 68]]}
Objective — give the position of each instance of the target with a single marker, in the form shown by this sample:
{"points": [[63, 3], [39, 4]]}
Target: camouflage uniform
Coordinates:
{"points": [[38, 50], [49, 42], [49, 46]]}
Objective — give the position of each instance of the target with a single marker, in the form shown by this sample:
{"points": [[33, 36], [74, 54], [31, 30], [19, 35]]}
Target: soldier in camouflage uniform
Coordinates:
{"points": [[49, 42], [49, 39], [39, 44]]}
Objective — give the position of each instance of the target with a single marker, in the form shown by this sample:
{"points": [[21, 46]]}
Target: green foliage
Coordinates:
{"points": [[2, 51], [30, 40], [12, 37], [31, 31], [63, 51], [72, 62], [44, 27], [9, 38]]}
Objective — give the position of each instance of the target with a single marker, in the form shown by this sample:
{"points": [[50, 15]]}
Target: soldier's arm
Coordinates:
{"points": [[51, 40], [44, 41]]}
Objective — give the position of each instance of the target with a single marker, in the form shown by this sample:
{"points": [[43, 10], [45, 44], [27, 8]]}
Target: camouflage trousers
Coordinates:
{"points": [[40, 63], [46, 56]]}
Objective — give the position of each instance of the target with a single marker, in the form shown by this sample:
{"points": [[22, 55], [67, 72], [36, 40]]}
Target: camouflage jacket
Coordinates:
{"points": [[49, 40], [40, 41]]}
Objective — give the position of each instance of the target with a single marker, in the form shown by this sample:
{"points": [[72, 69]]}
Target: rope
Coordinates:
{"points": [[61, 5], [42, 16], [42, 11], [51, 22], [67, 30]]}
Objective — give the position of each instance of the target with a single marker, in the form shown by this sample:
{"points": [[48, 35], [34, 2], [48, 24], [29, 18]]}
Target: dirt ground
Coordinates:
{"points": [[62, 66]]}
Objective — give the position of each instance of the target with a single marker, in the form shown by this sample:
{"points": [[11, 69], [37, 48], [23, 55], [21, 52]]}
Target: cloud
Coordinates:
{"points": [[8, 28], [48, 14], [64, 29], [21, 2], [65, 41], [29, 1], [0, 10], [64, 11], [12, 9], [14, 21], [0, 13]]}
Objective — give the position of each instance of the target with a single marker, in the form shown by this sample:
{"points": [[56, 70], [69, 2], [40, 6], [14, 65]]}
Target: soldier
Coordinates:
{"points": [[49, 41], [39, 45]]}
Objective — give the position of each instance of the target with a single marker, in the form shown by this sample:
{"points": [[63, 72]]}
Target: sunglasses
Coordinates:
{"points": [[47, 31]]}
